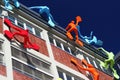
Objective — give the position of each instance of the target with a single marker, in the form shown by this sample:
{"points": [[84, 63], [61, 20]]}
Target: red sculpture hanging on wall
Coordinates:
{"points": [[72, 27], [23, 33], [89, 67]]}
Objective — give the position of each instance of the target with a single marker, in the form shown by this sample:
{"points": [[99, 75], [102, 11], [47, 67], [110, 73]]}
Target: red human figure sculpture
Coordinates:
{"points": [[72, 27], [89, 67], [21, 32]]}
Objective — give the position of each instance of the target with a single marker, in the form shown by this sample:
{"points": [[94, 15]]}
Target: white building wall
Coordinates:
{"points": [[53, 65], [7, 57]]}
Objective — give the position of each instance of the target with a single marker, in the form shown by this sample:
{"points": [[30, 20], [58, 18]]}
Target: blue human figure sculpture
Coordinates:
{"points": [[8, 6], [46, 10], [91, 39]]}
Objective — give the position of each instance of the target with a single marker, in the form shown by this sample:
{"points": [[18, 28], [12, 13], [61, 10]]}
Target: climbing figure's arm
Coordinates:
{"points": [[103, 50], [67, 27], [78, 19], [8, 22], [35, 7]]}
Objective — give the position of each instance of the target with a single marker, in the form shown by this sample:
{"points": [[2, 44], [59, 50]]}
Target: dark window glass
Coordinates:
{"points": [[30, 28], [38, 33], [51, 40], [17, 65], [60, 75], [1, 58], [32, 61], [58, 44], [66, 48], [73, 52], [38, 74], [68, 77], [19, 54], [12, 19], [15, 53], [27, 69], [36, 62], [20, 24], [118, 68], [30, 71], [78, 79], [45, 65], [0, 46], [48, 77]]}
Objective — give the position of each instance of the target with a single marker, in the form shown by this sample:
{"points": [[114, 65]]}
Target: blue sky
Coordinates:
{"points": [[102, 17]]}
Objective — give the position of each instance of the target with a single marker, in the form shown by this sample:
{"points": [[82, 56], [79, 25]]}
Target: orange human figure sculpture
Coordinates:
{"points": [[72, 27], [89, 67], [23, 33]]}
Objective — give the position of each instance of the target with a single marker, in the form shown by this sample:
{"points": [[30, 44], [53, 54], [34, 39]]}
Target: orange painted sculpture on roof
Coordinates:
{"points": [[72, 27], [24, 33], [89, 67]]}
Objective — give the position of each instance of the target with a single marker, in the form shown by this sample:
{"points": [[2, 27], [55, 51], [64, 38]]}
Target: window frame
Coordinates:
{"points": [[2, 52], [25, 25], [65, 73], [31, 58]]}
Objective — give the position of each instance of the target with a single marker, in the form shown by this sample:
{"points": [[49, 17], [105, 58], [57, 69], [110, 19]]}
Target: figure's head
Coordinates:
{"points": [[72, 21], [78, 18]]}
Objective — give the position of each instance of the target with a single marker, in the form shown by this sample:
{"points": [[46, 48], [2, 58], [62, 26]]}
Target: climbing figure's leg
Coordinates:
{"points": [[69, 34], [51, 21], [77, 38]]}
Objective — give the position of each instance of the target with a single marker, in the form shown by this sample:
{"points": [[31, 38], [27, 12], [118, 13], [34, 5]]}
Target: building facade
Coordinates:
{"points": [[52, 60]]}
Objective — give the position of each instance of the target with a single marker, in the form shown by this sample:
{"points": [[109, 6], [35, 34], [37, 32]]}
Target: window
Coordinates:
{"points": [[66, 48], [19, 54], [12, 19], [61, 75], [17, 65], [95, 64], [58, 44], [46, 66], [118, 66], [68, 76], [1, 46], [88, 60], [38, 74], [47, 77], [78, 79], [51, 40], [1, 58], [30, 28], [27, 69], [33, 73], [73, 52], [1, 53], [92, 61], [39, 64], [20, 24], [38, 33]]}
